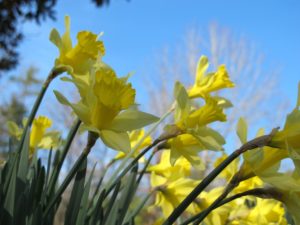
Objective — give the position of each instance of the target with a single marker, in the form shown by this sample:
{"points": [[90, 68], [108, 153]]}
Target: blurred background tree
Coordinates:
{"points": [[256, 93], [14, 13], [15, 108]]}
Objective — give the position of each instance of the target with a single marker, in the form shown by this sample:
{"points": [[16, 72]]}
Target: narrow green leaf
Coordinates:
{"points": [[127, 195], [111, 204], [82, 214], [76, 195], [10, 197], [24, 158]]}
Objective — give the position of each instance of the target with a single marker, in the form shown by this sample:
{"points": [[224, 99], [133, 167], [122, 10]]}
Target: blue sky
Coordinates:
{"points": [[136, 30]]}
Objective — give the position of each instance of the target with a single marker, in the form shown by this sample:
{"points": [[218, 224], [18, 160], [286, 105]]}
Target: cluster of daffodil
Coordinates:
{"points": [[107, 105], [254, 190]]}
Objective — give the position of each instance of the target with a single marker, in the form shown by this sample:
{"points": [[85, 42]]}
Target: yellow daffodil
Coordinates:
{"points": [[291, 200], [39, 137], [206, 114], [287, 140], [232, 169], [108, 108], [287, 190], [194, 134], [170, 193], [219, 215], [285, 143], [265, 212], [185, 145], [135, 137], [81, 57], [207, 83], [182, 167]]}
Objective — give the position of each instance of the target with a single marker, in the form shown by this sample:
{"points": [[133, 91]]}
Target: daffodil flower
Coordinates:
{"points": [[182, 167], [39, 136], [108, 108], [169, 193], [81, 57], [287, 186], [285, 143], [194, 135], [207, 83]]}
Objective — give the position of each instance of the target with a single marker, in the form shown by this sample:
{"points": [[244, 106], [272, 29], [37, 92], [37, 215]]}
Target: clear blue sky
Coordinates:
{"points": [[135, 30]]}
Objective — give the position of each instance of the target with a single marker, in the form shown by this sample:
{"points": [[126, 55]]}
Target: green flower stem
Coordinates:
{"points": [[145, 167], [62, 157], [257, 192], [92, 138], [136, 159], [139, 207], [132, 163], [53, 73], [114, 179], [234, 182], [255, 143]]}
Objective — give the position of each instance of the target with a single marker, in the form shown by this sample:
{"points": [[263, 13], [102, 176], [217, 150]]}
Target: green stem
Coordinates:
{"points": [[132, 163], [139, 207], [62, 157], [92, 137], [200, 187], [255, 143], [227, 190], [53, 73], [145, 167]]}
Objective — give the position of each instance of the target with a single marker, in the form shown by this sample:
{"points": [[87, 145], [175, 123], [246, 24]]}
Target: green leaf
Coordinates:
{"points": [[76, 195], [24, 157], [132, 120], [82, 214], [183, 102], [111, 203], [118, 141], [10, 196], [241, 130], [127, 195]]}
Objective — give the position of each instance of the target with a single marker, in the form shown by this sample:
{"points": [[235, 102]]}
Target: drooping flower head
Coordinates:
{"points": [[82, 56], [207, 83], [39, 136]]}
